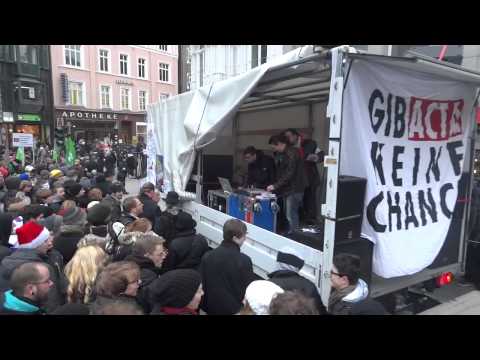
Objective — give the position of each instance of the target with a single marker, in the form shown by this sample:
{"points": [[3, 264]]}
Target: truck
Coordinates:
{"points": [[315, 90]]}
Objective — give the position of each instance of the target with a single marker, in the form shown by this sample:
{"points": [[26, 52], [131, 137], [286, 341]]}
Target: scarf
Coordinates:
{"points": [[337, 295]]}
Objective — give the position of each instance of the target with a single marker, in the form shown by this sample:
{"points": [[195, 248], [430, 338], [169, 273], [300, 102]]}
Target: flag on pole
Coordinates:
{"points": [[70, 151], [20, 154]]}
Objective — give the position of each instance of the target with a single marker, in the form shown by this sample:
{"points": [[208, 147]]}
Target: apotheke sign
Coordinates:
{"points": [[91, 115]]}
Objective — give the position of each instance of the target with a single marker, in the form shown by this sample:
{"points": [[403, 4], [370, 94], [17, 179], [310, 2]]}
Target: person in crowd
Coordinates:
{"points": [[55, 202], [52, 222], [287, 276], [41, 196], [226, 272], [165, 223], [55, 175], [35, 212], [71, 309], [82, 271], [148, 253], [71, 175], [71, 231], [12, 183], [261, 168], [103, 184], [3, 192], [151, 210], [67, 204], [312, 156], [178, 292], [98, 217], [292, 303], [30, 285], [6, 228], [118, 280], [73, 191], [348, 289], [110, 161], [59, 189], [118, 307], [291, 181], [258, 296], [17, 205], [35, 244], [95, 194], [132, 208], [42, 182], [114, 200], [186, 250], [142, 225], [26, 188], [91, 239]]}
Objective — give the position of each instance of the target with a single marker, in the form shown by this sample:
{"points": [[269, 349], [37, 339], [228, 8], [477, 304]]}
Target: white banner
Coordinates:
{"points": [[407, 133], [22, 140]]}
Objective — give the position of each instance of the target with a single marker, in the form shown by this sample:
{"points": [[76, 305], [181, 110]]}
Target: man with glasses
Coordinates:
{"points": [[30, 284]]}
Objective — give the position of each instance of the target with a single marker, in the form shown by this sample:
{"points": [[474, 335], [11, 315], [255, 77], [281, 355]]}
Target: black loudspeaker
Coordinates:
{"points": [[449, 252], [350, 202], [357, 246]]}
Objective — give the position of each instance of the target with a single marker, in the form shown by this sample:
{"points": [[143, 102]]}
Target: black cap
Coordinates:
{"points": [[175, 288], [172, 198], [99, 215], [184, 221]]}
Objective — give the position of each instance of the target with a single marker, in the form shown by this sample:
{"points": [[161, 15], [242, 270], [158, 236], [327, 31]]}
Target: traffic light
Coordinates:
{"points": [[60, 137]]}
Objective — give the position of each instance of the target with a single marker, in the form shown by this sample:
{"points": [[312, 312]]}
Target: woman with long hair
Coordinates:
{"points": [[82, 271]]}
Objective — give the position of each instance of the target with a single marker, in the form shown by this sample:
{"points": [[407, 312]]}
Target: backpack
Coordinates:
{"points": [[115, 229]]}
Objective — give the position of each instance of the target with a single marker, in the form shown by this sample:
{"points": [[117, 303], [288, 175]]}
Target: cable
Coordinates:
{"points": [[203, 113]]}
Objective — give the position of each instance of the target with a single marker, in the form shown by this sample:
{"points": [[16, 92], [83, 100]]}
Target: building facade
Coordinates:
{"points": [[26, 103], [103, 90]]}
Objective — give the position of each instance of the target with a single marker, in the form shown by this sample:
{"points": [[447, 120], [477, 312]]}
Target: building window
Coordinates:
{"points": [[142, 100], [164, 96], [164, 72], [28, 92], [125, 98], [73, 55], [76, 93], [123, 64], [105, 96], [28, 54], [141, 68], [163, 47], [104, 56]]}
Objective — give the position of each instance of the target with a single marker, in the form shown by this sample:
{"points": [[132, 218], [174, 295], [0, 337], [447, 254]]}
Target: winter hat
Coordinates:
{"points": [[24, 176], [92, 204], [56, 173], [3, 172], [31, 235], [73, 190], [259, 294], [12, 182], [184, 221], [116, 187], [98, 215], [175, 288], [74, 216], [289, 259], [52, 223], [172, 198], [29, 168]]}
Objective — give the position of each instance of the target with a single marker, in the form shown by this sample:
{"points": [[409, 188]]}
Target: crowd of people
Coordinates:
{"points": [[73, 242]]}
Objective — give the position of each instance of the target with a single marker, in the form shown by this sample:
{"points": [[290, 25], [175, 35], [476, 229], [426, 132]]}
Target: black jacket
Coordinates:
{"points": [[290, 280], [105, 186], [126, 218], [165, 226], [150, 209], [67, 239], [291, 173], [185, 251], [226, 273], [114, 205], [261, 172], [54, 261]]}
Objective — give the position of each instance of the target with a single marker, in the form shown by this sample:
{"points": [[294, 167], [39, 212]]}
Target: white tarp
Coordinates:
{"points": [[407, 133], [187, 122]]}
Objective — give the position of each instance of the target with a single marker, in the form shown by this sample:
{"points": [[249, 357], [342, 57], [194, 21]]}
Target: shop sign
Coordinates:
{"points": [[22, 140], [7, 116], [91, 115], [29, 117]]}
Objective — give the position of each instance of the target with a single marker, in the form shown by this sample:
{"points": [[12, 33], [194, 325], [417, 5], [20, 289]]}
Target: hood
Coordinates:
{"points": [[10, 302], [19, 257], [358, 294]]}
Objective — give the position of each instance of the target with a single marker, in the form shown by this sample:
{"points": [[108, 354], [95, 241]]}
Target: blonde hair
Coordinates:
{"points": [[82, 271], [67, 204]]}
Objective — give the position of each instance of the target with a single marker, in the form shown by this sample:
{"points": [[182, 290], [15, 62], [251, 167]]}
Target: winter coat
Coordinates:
{"points": [[101, 301], [105, 186], [342, 301], [261, 172], [126, 218], [114, 205], [13, 305], [5, 231], [291, 173], [101, 230], [150, 209], [309, 147], [185, 251], [67, 239], [226, 273], [53, 260], [290, 280]]}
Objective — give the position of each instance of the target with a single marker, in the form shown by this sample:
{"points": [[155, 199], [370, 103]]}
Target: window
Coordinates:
{"points": [[259, 55], [142, 100], [105, 96], [28, 54], [124, 64], [163, 47], [73, 55], [141, 68], [254, 56], [164, 96], [28, 92], [125, 98], [263, 54], [76, 93], [163, 72], [104, 57]]}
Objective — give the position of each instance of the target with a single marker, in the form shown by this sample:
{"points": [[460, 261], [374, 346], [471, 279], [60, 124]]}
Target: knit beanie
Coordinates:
{"points": [[24, 176], [259, 294], [98, 214], [184, 221], [74, 216], [31, 235], [52, 223], [289, 259], [73, 189], [175, 288]]}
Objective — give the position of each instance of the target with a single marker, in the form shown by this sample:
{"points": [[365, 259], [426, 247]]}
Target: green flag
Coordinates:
{"points": [[70, 151], [20, 154], [55, 154]]}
